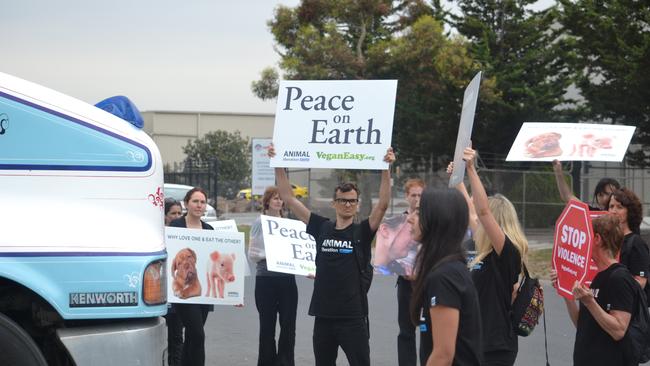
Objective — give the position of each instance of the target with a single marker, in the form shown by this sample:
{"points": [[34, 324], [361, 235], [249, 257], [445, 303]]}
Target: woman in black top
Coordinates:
{"points": [[443, 294], [276, 294], [193, 316], [602, 192], [501, 247], [173, 210], [634, 252], [606, 306]]}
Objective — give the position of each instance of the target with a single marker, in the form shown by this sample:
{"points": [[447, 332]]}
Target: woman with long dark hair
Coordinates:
{"points": [[444, 295], [634, 253], [276, 294], [193, 316]]}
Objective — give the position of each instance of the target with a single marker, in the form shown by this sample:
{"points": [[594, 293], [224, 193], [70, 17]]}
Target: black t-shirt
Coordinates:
{"points": [[451, 285], [613, 289], [495, 296], [337, 292], [635, 255]]}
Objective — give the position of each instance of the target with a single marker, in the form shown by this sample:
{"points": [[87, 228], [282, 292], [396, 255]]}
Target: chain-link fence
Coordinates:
{"points": [[635, 178], [533, 192]]}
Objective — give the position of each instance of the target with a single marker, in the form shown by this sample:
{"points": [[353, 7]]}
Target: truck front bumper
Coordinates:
{"points": [[137, 342]]}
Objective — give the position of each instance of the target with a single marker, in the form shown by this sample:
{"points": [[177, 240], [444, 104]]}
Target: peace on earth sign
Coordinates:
{"points": [[336, 124]]}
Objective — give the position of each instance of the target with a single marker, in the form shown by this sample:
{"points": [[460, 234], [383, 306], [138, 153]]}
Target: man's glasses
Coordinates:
{"points": [[345, 201]]}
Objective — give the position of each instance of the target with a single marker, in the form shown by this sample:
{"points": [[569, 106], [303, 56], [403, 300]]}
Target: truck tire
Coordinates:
{"points": [[16, 346]]}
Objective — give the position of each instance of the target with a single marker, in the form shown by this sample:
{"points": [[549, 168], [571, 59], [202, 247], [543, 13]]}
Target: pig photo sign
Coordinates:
{"points": [[288, 247], [205, 266], [572, 247], [337, 124]]}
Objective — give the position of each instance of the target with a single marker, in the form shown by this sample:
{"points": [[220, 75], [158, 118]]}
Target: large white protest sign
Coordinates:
{"points": [[206, 266], [465, 129], [263, 174], [288, 247], [539, 141], [346, 124]]}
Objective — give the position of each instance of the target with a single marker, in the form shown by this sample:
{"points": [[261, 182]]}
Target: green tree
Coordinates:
{"points": [[232, 155], [381, 39], [529, 59], [612, 42]]}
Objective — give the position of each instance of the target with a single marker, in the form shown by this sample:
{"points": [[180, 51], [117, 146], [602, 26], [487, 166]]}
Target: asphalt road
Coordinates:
{"points": [[231, 333]]}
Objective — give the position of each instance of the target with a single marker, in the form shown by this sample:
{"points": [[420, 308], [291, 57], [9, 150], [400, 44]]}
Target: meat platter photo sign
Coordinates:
{"points": [[205, 266], [572, 247], [336, 124], [547, 141]]}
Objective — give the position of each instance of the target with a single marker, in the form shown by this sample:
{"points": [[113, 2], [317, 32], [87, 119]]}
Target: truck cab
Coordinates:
{"points": [[82, 257]]}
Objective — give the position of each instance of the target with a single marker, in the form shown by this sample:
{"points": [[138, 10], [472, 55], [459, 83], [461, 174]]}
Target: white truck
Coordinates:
{"points": [[82, 257]]}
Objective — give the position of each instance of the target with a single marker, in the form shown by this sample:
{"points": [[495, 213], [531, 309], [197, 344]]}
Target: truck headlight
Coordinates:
{"points": [[154, 283]]}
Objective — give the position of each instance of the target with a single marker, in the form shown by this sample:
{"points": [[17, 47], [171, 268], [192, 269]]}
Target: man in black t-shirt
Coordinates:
{"points": [[337, 301]]}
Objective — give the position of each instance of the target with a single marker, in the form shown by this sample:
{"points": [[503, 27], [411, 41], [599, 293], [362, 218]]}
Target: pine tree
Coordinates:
{"points": [[612, 43], [530, 61]]}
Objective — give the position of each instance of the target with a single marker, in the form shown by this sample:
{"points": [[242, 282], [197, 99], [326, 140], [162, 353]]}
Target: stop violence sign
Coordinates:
{"points": [[572, 246]]}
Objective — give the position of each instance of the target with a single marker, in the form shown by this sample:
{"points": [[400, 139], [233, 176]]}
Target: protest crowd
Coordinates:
{"points": [[462, 306]]}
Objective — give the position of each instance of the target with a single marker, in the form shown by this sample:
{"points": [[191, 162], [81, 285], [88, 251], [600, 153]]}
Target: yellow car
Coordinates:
{"points": [[298, 191]]}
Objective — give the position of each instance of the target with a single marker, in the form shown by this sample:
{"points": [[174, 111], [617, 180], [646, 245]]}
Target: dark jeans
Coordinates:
{"points": [[193, 317], [350, 334], [406, 351], [276, 296], [174, 337]]}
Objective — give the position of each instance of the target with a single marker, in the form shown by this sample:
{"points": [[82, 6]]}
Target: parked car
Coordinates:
{"points": [[298, 191], [178, 191]]}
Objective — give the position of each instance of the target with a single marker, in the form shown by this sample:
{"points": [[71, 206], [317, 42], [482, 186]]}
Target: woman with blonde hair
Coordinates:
{"points": [[501, 249]]}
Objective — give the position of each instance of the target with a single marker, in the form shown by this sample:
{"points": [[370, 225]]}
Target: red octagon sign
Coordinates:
{"points": [[572, 246]]}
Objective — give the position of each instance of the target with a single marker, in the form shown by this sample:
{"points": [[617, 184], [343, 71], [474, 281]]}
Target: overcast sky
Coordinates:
{"points": [[196, 55]]}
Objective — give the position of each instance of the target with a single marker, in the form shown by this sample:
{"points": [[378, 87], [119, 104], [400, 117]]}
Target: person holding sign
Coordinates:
{"points": [[603, 190], [634, 252], [193, 316], [501, 247], [276, 294], [443, 291], [339, 301], [605, 309]]}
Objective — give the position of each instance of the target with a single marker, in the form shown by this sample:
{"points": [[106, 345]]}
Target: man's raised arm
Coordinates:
{"points": [[286, 193], [377, 213]]}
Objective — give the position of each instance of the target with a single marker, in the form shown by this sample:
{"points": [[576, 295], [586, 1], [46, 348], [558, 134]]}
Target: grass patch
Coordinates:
{"points": [[539, 263]]}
